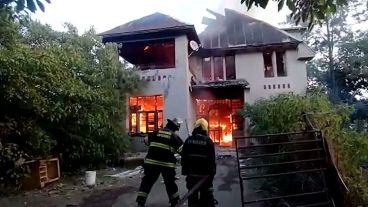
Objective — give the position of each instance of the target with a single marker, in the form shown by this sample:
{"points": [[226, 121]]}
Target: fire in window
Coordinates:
{"points": [[268, 69], [145, 113], [223, 118], [158, 54]]}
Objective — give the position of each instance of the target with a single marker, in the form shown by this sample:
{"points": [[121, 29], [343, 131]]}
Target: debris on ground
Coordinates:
{"points": [[127, 173]]}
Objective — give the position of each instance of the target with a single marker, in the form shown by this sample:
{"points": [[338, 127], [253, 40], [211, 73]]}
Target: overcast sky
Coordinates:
{"points": [[106, 14]]}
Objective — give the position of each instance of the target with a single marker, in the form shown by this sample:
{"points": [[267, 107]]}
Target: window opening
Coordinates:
{"points": [[151, 54], [218, 68], [268, 69], [280, 63], [206, 69], [230, 68]]}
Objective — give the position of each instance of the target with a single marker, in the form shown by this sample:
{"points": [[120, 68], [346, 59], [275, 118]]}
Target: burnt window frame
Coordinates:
{"points": [[265, 65], [282, 64], [210, 69], [157, 55], [224, 68]]}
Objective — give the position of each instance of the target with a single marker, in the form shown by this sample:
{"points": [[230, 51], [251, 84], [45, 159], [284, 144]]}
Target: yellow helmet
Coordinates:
{"points": [[201, 123]]}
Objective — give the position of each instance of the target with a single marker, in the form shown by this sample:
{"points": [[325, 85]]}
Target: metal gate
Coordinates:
{"points": [[283, 170]]}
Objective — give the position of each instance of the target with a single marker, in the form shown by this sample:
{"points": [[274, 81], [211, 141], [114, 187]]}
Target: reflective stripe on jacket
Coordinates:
{"points": [[163, 144]]}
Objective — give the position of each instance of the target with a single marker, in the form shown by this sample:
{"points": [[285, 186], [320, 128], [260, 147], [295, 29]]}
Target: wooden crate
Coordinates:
{"points": [[41, 173]]}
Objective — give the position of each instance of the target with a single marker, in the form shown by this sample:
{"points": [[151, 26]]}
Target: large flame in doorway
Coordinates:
{"points": [[226, 136]]}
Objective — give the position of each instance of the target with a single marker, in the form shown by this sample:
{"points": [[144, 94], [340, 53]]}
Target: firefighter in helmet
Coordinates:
{"points": [[160, 159], [198, 160]]}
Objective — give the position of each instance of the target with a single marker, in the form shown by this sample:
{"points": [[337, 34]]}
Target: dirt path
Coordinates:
{"points": [[113, 192]]}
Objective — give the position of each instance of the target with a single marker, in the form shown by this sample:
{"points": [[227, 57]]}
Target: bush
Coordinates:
{"points": [[283, 113], [348, 149], [11, 171], [62, 95]]}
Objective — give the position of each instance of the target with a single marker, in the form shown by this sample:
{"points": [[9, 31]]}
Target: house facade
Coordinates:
{"points": [[240, 60]]}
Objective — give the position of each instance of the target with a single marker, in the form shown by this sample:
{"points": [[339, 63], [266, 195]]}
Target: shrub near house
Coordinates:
{"points": [[350, 149]]}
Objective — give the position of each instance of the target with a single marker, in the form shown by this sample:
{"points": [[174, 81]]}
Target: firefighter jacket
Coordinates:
{"points": [[198, 154], [163, 144]]}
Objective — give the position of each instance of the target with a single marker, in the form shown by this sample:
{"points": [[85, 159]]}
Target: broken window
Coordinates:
{"points": [[215, 40], [280, 64], [235, 33], [218, 68], [219, 72], [223, 40], [268, 69], [230, 68], [145, 113], [207, 42], [150, 55], [206, 69]]}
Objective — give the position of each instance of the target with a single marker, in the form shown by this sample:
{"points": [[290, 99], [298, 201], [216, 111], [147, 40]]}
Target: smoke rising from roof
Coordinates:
{"points": [[269, 15]]}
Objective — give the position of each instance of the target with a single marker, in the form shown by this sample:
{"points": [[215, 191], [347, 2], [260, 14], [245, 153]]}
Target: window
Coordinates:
{"points": [[280, 63], [151, 54], [230, 67], [207, 42], [268, 69], [269, 60], [145, 113], [215, 40], [218, 68], [206, 69], [223, 40]]}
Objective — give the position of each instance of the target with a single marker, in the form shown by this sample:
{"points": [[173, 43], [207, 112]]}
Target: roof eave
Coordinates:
{"points": [[120, 37]]}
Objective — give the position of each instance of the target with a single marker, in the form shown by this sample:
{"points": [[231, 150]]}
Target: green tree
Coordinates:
{"points": [[62, 95], [18, 8], [312, 11], [328, 39]]}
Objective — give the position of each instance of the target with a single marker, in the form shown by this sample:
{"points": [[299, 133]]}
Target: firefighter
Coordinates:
{"points": [[160, 159], [198, 160]]}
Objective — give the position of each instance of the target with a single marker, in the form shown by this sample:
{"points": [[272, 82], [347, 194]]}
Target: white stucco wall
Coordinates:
{"points": [[175, 88], [250, 67]]}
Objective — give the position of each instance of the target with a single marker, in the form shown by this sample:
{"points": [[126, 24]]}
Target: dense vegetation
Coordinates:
{"points": [[62, 95], [349, 148]]}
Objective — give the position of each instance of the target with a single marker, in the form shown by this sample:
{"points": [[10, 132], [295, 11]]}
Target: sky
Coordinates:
{"points": [[107, 14]]}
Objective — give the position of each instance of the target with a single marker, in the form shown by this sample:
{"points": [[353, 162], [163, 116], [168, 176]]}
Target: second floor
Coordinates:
{"points": [[158, 46]]}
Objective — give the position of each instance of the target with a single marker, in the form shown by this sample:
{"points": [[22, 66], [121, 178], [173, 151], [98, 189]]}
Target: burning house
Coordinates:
{"points": [[239, 60]]}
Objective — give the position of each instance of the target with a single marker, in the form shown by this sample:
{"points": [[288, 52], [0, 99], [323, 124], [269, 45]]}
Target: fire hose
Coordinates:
{"points": [[194, 189]]}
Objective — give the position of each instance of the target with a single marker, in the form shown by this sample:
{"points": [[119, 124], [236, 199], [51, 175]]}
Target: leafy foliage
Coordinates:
{"points": [[349, 149], [62, 95], [340, 63], [17, 9], [283, 113], [312, 11]]}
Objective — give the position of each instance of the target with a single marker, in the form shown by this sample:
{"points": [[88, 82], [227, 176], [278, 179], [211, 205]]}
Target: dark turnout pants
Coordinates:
{"points": [[151, 174], [205, 197]]}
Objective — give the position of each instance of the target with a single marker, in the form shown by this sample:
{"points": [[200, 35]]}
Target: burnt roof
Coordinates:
{"points": [[151, 26], [236, 29]]}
